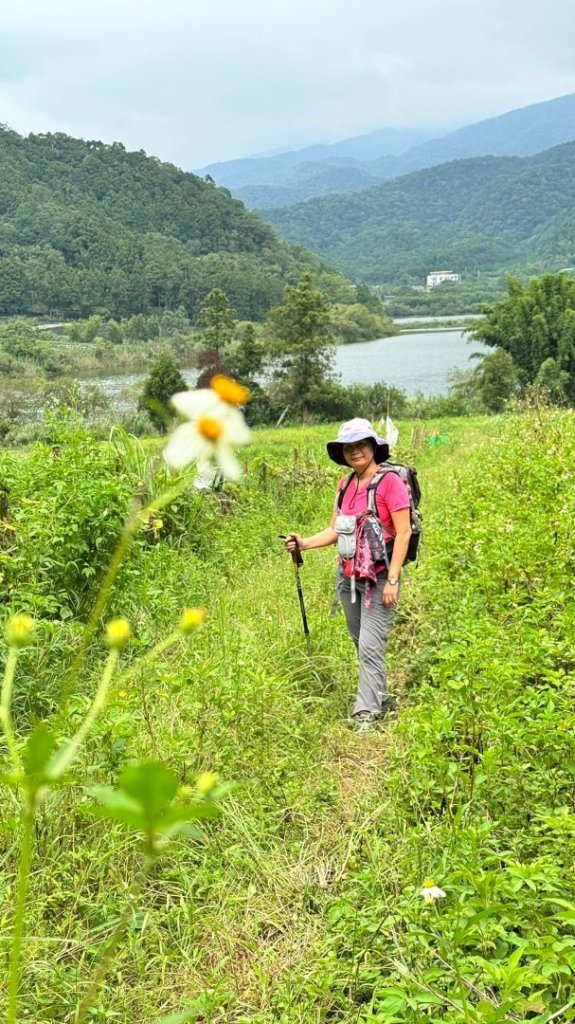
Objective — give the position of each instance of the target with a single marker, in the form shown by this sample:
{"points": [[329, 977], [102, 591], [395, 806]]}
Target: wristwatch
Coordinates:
{"points": [[393, 581]]}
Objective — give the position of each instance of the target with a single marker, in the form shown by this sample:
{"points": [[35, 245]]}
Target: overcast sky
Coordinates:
{"points": [[194, 81]]}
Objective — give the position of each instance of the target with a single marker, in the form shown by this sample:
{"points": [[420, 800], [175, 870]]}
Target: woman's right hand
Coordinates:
{"points": [[294, 543]]}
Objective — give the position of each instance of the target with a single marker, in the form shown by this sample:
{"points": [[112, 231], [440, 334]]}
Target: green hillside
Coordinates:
{"points": [[470, 215], [86, 226], [302, 903]]}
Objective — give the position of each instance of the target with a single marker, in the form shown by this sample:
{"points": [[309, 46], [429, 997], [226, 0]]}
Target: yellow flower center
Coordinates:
{"points": [[210, 428], [429, 884], [229, 390]]}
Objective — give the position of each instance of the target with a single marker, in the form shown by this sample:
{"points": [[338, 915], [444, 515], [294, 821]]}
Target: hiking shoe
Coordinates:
{"points": [[365, 721], [389, 706]]}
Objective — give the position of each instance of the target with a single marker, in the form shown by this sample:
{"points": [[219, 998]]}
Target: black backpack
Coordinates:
{"points": [[409, 476]]}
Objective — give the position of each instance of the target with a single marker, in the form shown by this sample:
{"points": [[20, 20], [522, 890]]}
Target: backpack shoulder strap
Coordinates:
{"points": [[342, 490], [373, 486]]}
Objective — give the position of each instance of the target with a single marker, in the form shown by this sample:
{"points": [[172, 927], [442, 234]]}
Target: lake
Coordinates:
{"points": [[418, 361]]}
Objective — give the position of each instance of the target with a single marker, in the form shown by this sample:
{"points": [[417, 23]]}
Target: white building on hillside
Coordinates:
{"points": [[439, 276]]}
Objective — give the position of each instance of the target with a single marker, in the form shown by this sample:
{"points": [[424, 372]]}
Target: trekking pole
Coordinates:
{"points": [[297, 562]]}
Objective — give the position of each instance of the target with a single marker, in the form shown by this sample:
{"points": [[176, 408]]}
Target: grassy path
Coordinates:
{"points": [[307, 813], [302, 905]]}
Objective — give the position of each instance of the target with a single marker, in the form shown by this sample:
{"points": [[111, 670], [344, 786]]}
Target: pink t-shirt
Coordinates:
{"points": [[391, 495]]}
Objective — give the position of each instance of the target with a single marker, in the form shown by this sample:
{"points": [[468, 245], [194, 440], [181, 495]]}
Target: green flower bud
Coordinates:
{"points": [[118, 633], [206, 783]]}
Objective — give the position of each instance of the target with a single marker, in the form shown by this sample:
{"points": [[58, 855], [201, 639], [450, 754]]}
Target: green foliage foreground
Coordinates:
{"points": [[302, 903]]}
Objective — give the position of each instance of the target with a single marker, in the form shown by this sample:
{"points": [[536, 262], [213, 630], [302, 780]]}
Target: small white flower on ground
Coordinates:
{"points": [[431, 891], [211, 431]]}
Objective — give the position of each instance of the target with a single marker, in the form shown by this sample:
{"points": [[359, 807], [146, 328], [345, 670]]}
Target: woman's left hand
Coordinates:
{"points": [[390, 594]]}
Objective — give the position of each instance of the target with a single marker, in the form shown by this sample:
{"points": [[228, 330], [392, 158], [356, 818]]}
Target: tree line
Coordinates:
{"points": [[289, 367]]}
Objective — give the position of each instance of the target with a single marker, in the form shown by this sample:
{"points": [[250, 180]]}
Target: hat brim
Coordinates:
{"points": [[335, 451]]}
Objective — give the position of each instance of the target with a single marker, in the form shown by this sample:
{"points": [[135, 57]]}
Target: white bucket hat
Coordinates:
{"points": [[356, 430]]}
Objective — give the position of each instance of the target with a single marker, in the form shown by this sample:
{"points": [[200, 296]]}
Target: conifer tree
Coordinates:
{"points": [[301, 345], [216, 320], [163, 381]]}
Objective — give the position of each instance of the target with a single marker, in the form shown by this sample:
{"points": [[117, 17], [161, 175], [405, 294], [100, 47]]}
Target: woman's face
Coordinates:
{"points": [[359, 455]]}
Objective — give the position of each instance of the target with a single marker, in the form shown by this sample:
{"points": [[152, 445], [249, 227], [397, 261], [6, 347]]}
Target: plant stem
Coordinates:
{"points": [[18, 931], [111, 946], [5, 715], [67, 755], [463, 992]]}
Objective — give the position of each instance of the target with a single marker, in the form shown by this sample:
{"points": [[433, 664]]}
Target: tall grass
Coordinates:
{"points": [[302, 903]]}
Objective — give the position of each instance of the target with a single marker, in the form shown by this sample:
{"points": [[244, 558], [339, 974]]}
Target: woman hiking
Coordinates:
{"points": [[371, 572]]}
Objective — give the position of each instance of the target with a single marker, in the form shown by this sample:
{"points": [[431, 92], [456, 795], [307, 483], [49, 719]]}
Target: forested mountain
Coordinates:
{"points": [[86, 226], [355, 164], [306, 181], [469, 215]]}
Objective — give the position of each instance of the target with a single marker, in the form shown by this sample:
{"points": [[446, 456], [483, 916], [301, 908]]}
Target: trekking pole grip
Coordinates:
{"points": [[296, 555]]}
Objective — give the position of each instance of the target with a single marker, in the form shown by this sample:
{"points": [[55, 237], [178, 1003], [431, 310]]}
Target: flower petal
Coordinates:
{"points": [[237, 430], [227, 462], [191, 404], [432, 892], [186, 445]]}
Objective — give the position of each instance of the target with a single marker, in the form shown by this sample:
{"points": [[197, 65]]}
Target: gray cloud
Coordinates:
{"points": [[194, 82]]}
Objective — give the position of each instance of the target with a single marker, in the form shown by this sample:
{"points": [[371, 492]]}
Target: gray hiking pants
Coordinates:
{"points": [[369, 629]]}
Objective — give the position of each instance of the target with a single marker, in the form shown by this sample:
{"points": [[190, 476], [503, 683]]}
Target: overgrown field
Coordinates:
{"points": [[302, 903]]}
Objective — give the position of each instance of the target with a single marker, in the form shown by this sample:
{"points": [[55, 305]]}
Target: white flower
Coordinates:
{"points": [[431, 891], [213, 427]]}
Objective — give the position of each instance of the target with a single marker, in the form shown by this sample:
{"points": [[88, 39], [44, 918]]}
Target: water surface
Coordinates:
{"points": [[417, 361]]}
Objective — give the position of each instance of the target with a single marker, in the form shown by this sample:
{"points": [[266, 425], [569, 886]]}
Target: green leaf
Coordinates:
{"points": [[186, 829], [117, 806], [193, 812], [152, 786], [39, 749], [568, 916], [491, 1014], [142, 801]]}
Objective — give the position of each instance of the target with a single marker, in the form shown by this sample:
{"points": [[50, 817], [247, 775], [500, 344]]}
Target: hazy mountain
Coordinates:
{"points": [[281, 180], [518, 133], [278, 167], [481, 214]]}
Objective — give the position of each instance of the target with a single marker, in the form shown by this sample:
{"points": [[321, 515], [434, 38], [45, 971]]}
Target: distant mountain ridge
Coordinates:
{"points": [[482, 214], [362, 162], [249, 170]]}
